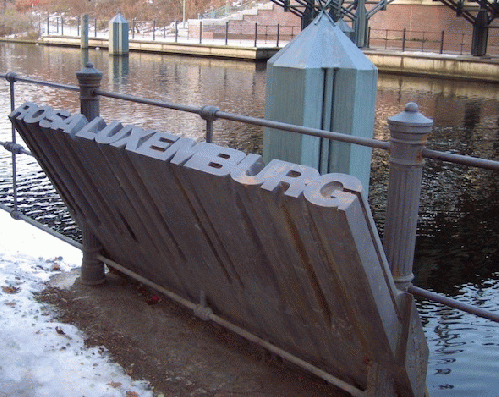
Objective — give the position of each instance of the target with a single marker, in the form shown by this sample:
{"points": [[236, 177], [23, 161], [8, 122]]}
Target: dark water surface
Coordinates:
{"points": [[457, 247]]}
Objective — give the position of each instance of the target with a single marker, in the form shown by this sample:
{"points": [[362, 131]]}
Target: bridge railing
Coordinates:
{"points": [[400, 144]]}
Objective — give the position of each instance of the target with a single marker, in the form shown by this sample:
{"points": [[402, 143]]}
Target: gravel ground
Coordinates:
{"points": [[155, 340]]}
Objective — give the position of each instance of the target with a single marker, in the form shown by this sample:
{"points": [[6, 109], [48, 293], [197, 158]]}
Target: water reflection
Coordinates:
{"points": [[118, 72], [464, 348], [459, 219]]}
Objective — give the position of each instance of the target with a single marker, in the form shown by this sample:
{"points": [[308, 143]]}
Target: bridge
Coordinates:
{"points": [[480, 13], [355, 11]]}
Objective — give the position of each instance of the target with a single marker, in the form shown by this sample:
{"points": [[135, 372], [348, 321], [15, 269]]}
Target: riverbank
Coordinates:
{"points": [[244, 50], [459, 67]]}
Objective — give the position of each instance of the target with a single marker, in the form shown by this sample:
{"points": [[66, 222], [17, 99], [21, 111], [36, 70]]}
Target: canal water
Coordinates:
{"points": [[457, 247]]}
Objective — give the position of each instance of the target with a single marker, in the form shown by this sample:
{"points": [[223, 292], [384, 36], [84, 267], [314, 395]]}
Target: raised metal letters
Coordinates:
{"points": [[292, 179]]}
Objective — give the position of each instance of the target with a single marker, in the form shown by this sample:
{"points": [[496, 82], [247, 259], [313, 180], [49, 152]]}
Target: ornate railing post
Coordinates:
{"points": [[11, 78], [92, 269], [89, 80], [408, 133]]}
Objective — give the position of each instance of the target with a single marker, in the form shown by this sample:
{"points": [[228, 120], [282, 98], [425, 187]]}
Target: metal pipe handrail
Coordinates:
{"points": [[338, 136], [15, 148], [462, 159], [146, 101], [445, 300], [252, 120], [13, 77]]}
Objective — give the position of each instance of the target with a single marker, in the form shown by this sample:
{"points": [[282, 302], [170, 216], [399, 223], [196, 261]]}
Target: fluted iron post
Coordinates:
{"points": [[89, 80], [92, 269], [408, 134]]}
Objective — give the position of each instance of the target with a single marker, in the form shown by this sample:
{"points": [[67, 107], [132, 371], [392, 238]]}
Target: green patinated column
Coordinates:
{"points": [[84, 31], [118, 36], [321, 80]]}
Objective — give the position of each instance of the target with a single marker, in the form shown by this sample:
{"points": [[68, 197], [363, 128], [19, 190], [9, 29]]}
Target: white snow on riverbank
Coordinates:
{"points": [[38, 355]]}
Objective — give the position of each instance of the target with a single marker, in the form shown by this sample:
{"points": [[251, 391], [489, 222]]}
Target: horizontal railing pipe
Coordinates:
{"points": [[205, 313], [41, 226], [374, 143], [16, 148], [338, 136], [14, 77], [445, 300], [145, 101], [461, 159]]}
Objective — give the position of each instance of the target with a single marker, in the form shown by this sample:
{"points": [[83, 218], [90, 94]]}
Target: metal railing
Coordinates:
{"points": [[420, 41], [408, 153], [223, 34]]}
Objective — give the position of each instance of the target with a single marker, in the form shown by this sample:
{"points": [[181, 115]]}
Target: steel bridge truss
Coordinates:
{"points": [[354, 11], [480, 13]]}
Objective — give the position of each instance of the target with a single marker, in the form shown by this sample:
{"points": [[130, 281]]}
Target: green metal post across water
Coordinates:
{"points": [[84, 31], [118, 36]]}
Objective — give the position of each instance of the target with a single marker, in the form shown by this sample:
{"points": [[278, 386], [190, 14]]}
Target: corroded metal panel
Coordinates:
{"points": [[288, 254]]}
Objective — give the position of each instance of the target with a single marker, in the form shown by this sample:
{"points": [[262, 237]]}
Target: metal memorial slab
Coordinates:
{"points": [[289, 255], [321, 80]]}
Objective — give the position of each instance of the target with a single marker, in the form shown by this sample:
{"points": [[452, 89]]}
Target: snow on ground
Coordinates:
{"points": [[39, 356]]}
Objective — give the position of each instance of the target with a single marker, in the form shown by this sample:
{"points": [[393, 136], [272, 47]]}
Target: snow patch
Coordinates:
{"points": [[40, 356]]}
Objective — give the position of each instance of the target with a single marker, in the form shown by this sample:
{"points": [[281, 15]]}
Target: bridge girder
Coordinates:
{"points": [[480, 16], [351, 10]]}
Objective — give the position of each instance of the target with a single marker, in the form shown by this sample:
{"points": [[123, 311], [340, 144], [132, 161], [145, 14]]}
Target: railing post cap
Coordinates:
{"points": [[411, 117], [89, 72], [11, 77]]}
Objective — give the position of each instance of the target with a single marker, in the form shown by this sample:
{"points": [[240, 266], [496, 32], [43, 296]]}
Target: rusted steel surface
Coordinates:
{"points": [[291, 256]]}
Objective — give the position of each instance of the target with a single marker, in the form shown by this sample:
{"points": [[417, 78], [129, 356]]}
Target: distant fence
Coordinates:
{"points": [[230, 32], [442, 42]]}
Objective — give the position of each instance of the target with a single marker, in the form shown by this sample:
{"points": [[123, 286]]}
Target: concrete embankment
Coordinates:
{"points": [[462, 67], [214, 50]]}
